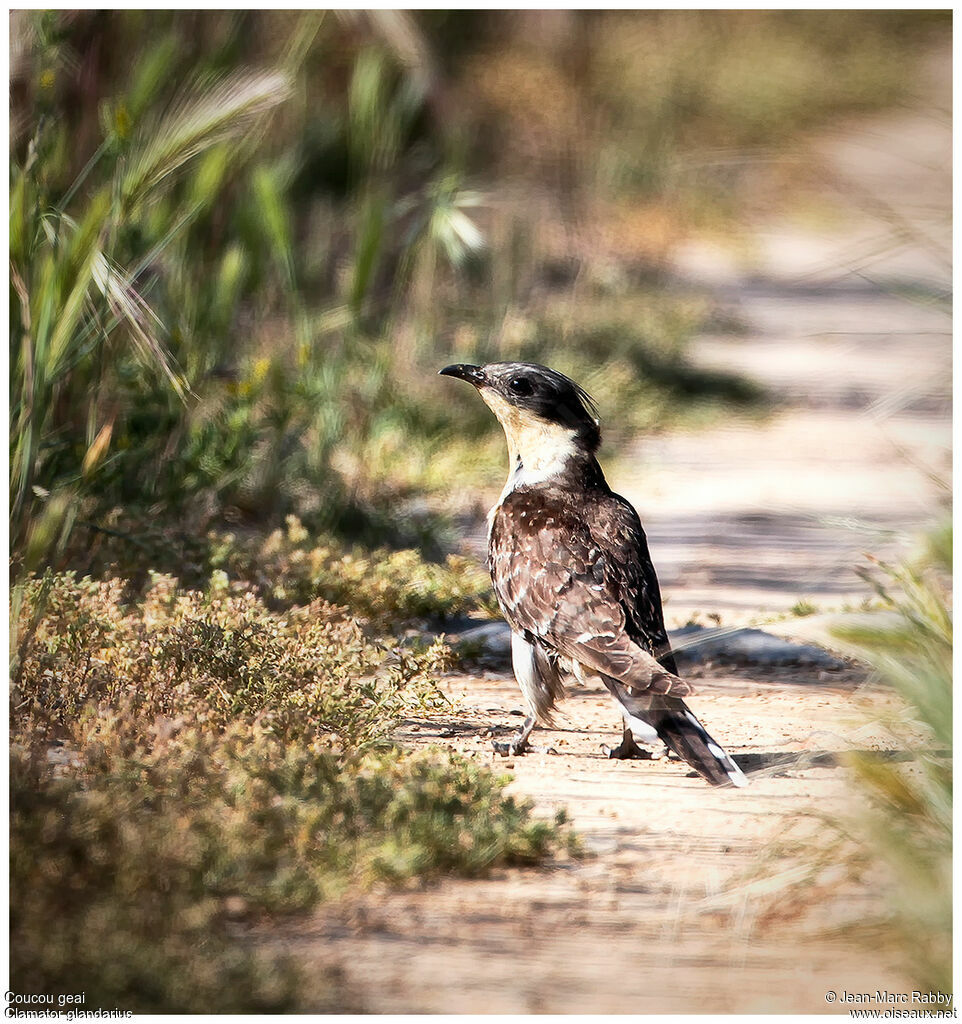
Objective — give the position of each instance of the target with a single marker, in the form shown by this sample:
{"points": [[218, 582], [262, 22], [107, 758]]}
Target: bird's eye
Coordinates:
{"points": [[520, 386]]}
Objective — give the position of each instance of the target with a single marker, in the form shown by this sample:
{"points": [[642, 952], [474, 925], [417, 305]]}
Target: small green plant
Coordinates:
{"points": [[803, 607], [209, 657], [108, 895]]}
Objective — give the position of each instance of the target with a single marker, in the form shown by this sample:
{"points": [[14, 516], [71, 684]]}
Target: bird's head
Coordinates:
{"points": [[547, 418]]}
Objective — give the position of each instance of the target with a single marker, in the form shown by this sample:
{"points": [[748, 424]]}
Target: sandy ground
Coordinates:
{"points": [[690, 899], [687, 898]]}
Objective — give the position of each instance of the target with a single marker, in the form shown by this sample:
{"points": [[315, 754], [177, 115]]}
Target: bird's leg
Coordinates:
{"points": [[518, 745]]}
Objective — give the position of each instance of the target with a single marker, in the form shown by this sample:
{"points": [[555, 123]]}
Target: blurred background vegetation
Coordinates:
{"points": [[241, 245]]}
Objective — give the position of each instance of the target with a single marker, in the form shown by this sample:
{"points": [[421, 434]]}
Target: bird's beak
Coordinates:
{"points": [[464, 371]]}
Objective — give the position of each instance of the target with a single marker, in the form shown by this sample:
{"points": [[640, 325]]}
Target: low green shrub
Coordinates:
{"points": [[381, 586], [190, 761], [208, 657]]}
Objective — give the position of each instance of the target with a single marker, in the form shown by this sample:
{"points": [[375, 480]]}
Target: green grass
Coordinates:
{"points": [[803, 608], [184, 762]]}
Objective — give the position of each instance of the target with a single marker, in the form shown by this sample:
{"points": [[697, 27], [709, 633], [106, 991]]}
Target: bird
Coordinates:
{"points": [[571, 570]]}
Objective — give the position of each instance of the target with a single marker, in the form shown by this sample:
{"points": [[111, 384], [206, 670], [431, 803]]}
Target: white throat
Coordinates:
{"points": [[537, 449], [539, 456]]}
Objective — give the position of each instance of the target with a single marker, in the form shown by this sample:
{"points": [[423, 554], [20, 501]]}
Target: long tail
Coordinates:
{"points": [[681, 732], [669, 718]]}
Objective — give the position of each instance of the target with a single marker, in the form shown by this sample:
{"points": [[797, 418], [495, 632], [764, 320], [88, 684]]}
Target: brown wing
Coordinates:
{"points": [[616, 529], [556, 583]]}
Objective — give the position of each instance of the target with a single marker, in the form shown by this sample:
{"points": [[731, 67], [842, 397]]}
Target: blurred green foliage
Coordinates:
{"points": [[184, 764], [243, 241]]}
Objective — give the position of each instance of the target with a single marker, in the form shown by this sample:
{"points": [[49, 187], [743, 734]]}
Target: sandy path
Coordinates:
{"points": [[849, 324], [683, 902]]}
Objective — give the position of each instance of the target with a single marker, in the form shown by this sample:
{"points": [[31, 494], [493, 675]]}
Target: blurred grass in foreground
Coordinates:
{"points": [[879, 874], [186, 763], [908, 828]]}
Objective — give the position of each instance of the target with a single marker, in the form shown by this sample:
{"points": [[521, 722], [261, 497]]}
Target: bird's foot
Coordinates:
{"points": [[518, 744], [517, 747], [630, 749], [511, 748]]}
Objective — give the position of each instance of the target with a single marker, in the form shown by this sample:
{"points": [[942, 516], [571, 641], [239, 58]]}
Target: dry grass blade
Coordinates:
{"points": [[129, 306]]}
